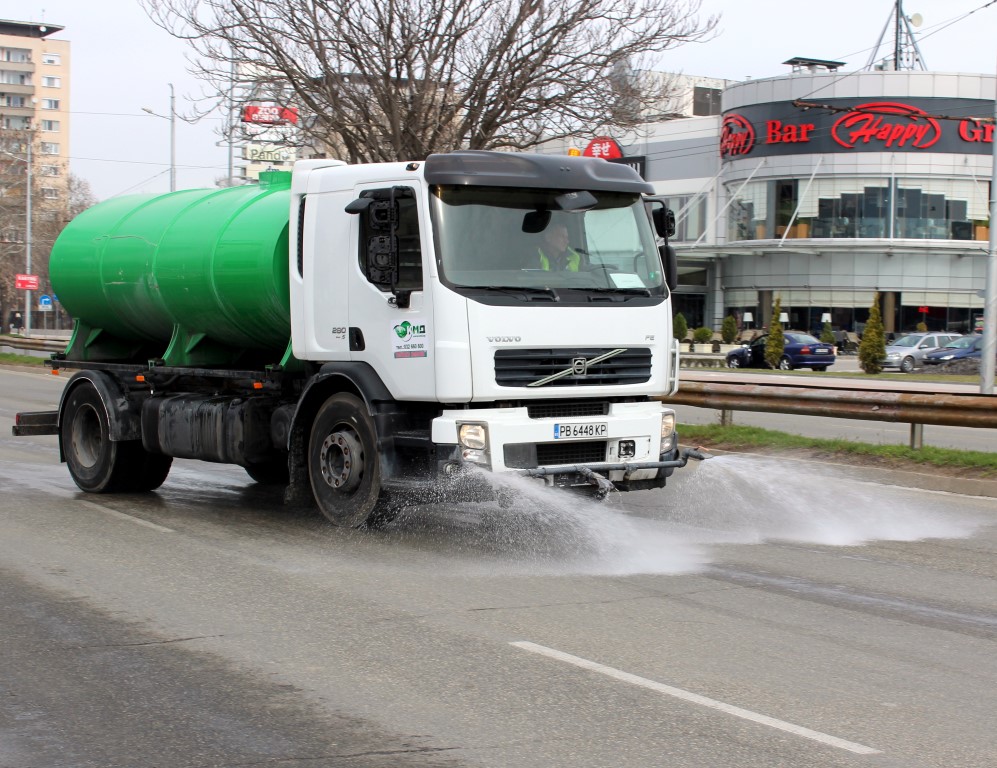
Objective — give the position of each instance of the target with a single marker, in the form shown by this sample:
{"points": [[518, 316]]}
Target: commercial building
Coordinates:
{"points": [[822, 189]]}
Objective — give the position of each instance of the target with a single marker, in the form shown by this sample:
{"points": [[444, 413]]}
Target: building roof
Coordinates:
{"points": [[28, 28], [804, 62]]}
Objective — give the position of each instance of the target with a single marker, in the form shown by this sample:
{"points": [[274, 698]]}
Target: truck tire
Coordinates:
{"points": [[344, 466], [96, 463], [149, 471], [270, 473]]}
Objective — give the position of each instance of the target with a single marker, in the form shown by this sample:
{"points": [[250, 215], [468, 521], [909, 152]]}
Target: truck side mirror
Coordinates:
{"points": [[664, 221], [670, 262]]}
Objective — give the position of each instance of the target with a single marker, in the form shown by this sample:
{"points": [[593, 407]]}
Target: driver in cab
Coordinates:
{"points": [[555, 253]]}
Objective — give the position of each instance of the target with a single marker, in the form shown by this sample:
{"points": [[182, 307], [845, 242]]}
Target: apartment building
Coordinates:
{"points": [[34, 101]]}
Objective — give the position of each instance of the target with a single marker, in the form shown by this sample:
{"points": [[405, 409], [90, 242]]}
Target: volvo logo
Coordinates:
{"points": [[579, 367], [504, 339]]}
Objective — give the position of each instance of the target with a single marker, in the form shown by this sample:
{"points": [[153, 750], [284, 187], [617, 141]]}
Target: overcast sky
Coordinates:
{"points": [[122, 62]]}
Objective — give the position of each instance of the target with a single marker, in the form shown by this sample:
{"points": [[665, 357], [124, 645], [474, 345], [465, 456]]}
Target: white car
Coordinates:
{"points": [[907, 352]]}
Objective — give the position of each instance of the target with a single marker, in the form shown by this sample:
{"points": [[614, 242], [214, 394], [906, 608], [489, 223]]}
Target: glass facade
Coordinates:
{"points": [[841, 207]]}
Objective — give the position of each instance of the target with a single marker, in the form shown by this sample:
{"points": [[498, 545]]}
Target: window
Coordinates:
{"points": [[51, 58], [13, 101], [50, 125], [52, 82], [705, 101], [49, 148], [391, 223], [50, 193], [50, 103], [50, 170]]}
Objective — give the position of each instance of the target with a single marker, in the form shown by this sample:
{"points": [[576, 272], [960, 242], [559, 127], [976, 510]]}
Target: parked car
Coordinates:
{"points": [[907, 352], [957, 349], [801, 350]]}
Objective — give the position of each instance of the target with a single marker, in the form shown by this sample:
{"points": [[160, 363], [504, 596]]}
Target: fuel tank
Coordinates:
{"points": [[195, 277]]}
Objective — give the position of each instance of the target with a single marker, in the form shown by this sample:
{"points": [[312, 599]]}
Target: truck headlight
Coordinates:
{"points": [[474, 436], [473, 439], [667, 429]]}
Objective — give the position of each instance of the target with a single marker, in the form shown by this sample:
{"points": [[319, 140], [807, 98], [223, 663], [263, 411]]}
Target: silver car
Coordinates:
{"points": [[907, 352]]}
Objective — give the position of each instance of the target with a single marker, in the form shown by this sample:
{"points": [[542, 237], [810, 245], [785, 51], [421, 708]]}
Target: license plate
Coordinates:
{"points": [[822, 351], [580, 430]]}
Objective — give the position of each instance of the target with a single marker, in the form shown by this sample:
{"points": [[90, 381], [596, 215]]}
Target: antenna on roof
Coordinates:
{"points": [[906, 52]]}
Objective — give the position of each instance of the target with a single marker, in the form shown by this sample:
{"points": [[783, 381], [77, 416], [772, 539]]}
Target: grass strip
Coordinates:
{"points": [[734, 438], [10, 358]]}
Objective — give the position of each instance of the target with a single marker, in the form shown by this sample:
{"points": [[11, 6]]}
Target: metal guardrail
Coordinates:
{"points": [[33, 344], [914, 408]]}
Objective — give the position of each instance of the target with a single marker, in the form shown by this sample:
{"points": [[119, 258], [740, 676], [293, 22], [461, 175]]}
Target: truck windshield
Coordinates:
{"points": [[497, 237]]}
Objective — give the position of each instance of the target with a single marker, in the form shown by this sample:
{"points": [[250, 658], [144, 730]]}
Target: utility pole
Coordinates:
{"points": [[989, 353], [27, 238], [172, 117]]}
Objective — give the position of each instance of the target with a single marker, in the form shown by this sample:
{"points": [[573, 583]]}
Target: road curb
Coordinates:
{"points": [[925, 480]]}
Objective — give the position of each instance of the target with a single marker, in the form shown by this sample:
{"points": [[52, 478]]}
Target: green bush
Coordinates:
{"points": [[872, 349], [826, 334], [728, 331], [680, 327], [776, 341], [702, 335]]}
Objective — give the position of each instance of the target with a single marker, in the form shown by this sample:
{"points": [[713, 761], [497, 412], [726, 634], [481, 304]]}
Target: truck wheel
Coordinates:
{"points": [[150, 470], [96, 463], [344, 466], [270, 473]]}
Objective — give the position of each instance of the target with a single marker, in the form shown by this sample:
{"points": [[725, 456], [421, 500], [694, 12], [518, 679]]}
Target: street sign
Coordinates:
{"points": [[26, 282], [44, 303]]}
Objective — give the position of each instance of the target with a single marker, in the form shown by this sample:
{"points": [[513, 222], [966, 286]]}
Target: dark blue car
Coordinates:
{"points": [[957, 349], [801, 350]]}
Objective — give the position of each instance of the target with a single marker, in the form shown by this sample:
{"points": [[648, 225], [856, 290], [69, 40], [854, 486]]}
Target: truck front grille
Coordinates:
{"points": [[567, 409], [531, 456], [577, 367]]}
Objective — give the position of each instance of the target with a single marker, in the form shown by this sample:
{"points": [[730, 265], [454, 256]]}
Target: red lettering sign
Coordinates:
{"points": [[270, 115], [26, 282], [872, 123], [973, 130], [777, 132], [604, 148], [737, 136]]}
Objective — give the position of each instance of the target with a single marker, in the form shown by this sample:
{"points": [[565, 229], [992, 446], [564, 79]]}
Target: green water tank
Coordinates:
{"points": [[196, 277]]}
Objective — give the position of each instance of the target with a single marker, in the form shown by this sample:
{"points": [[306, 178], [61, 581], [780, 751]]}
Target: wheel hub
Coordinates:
{"points": [[341, 460]]}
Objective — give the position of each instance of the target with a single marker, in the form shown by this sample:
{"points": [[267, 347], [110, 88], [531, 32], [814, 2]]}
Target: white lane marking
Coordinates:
{"points": [[129, 518], [695, 698]]}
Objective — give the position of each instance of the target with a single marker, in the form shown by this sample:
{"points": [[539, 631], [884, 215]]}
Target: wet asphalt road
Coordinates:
{"points": [[751, 614]]}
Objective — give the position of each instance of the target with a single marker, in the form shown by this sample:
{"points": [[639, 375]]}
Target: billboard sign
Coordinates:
{"points": [[26, 282], [270, 114]]}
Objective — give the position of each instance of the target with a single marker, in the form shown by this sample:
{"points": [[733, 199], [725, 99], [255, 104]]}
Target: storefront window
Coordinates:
{"points": [[841, 207], [690, 217]]}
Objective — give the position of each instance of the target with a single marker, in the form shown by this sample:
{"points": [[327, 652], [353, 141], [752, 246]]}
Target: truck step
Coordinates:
{"points": [[36, 423]]}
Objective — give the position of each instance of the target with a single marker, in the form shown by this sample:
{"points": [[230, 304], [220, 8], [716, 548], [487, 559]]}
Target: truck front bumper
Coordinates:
{"points": [[629, 446]]}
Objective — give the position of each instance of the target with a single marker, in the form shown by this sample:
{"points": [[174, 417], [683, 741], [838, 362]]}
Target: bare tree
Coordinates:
{"points": [[400, 79], [55, 199]]}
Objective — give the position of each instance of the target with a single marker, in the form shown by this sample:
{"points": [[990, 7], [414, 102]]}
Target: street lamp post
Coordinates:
{"points": [[173, 136]]}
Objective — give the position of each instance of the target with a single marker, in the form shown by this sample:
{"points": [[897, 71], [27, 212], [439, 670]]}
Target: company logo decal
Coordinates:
{"points": [[410, 340], [914, 128], [737, 136]]}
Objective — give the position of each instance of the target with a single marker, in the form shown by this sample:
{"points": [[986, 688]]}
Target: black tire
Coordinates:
{"points": [[270, 473], [819, 368], [150, 469], [907, 364], [785, 364], [344, 466], [734, 362], [96, 463]]}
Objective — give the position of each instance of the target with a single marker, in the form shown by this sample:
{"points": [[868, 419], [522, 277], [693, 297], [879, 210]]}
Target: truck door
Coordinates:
{"points": [[390, 309]]}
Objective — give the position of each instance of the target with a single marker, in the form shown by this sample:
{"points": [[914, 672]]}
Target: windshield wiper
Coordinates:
{"points": [[627, 291], [527, 291]]}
